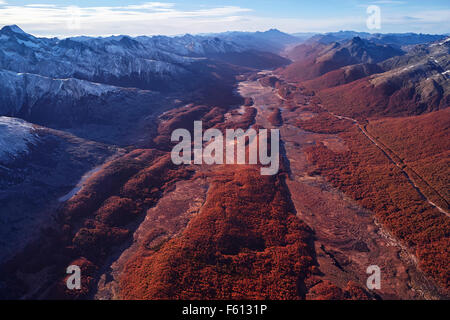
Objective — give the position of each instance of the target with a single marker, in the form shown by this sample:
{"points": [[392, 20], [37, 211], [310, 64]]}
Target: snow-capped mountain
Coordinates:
{"points": [[16, 136], [71, 103], [36, 68], [102, 60], [399, 40], [271, 40], [118, 60], [63, 83], [20, 89], [123, 60], [189, 45]]}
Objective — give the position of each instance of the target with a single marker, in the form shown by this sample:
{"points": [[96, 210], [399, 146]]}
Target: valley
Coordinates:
{"points": [[348, 237], [88, 178]]}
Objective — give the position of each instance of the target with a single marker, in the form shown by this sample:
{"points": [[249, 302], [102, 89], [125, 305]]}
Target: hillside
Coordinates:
{"points": [[413, 84], [422, 143], [312, 61]]}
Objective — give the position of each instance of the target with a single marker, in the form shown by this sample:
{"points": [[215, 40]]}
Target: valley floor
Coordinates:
{"points": [[348, 237]]}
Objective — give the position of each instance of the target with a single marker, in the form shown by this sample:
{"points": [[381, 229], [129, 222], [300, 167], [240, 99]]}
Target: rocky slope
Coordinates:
{"points": [[412, 84], [399, 40], [37, 166], [312, 61], [272, 40], [16, 136], [143, 62]]}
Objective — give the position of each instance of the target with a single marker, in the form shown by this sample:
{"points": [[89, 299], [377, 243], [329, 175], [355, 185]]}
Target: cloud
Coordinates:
{"points": [[432, 21], [2, 2], [422, 17], [40, 5], [150, 5], [389, 2], [146, 18], [155, 18], [152, 18]]}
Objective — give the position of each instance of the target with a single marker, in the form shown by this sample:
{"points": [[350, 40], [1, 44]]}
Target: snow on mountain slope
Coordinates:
{"points": [[399, 40], [96, 111], [189, 45], [107, 61], [20, 89], [15, 137], [118, 60], [157, 63], [271, 40]]}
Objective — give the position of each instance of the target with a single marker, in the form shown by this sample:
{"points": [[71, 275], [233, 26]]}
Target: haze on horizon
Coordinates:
{"points": [[134, 17]]}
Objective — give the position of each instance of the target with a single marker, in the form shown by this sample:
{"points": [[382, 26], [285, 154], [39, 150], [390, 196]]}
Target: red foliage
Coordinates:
{"points": [[117, 211], [95, 240], [98, 218], [366, 174], [275, 118], [325, 290], [242, 122], [422, 145], [88, 273], [342, 76], [245, 243], [325, 123], [305, 51], [105, 183], [179, 118], [361, 99]]}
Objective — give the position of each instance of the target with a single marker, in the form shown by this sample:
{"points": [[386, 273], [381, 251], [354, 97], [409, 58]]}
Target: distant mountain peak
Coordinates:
{"points": [[356, 39], [13, 28], [273, 30]]}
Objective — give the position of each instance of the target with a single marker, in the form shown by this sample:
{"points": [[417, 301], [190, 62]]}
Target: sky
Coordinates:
{"points": [[174, 17]]}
